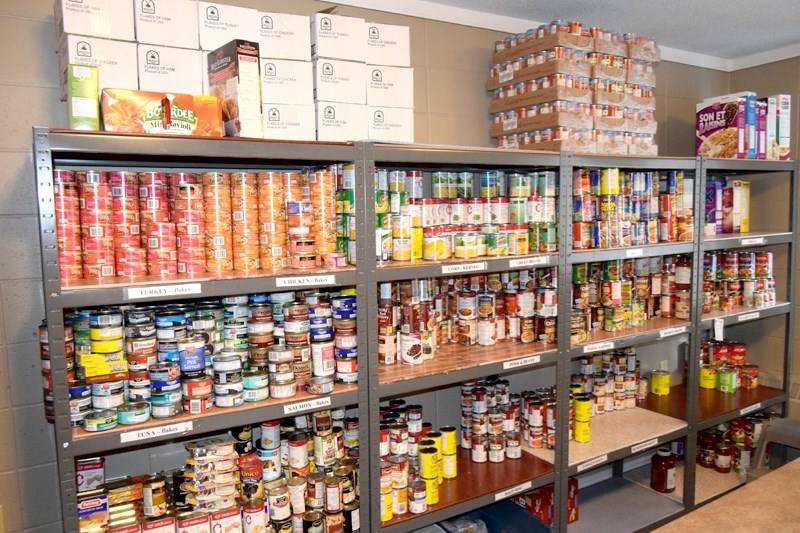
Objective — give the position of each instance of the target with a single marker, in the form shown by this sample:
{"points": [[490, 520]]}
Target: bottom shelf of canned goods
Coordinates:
{"points": [[709, 484]]}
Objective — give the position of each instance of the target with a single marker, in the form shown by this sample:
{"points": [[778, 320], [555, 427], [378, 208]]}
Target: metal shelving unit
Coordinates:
{"points": [[685, 412]]}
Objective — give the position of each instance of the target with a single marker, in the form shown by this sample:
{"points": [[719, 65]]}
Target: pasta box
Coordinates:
{"points": [[129, 111]]}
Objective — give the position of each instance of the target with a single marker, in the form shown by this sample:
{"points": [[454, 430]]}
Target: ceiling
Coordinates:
{"points": [[725, 34]]}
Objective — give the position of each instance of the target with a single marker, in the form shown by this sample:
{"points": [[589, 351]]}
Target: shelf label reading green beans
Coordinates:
{"points": [[750, 409], [644, 445], [757, 241], [162, 291], [671, 332], [598, 347], [528, 261], [512, 491], [636, 252], [152, 433], [518, 363], [749, 316], [305, 281], [466, 267], [593, 462], [308, 405]]}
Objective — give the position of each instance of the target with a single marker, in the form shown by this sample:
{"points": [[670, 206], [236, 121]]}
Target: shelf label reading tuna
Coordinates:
{"points": [[518, 363], [749, 316], [598, 347], [162, 291], [750, 409], [636, 252], [593, 462], [644, 445], [528, 261], [671, 332], [752, 242], [305, 281], [466, 267], [152, 433], [308, 405], [512, 491]]}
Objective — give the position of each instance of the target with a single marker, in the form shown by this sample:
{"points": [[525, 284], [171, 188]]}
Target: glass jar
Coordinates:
{"points": [[723, 460], [662, 471], [706, 449]]}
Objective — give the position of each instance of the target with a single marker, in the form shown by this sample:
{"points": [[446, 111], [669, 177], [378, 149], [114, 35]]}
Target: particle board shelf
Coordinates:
{"points": [[394, 270], [617, 435], [709, 483], [745, 240], [739, 315], [476, 485], [650, 250], [653, 330], [217, 419], [455, 363]]}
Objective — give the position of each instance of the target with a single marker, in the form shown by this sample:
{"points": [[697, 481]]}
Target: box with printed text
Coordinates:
{"points": [[284, 36], [167, 23]]}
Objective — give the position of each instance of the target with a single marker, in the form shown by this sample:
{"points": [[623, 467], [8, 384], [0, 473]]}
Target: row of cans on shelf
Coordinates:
{"points": [[465, 184], [575, 28]]}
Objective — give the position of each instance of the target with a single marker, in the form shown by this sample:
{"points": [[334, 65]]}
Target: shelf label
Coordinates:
{"points": [[644, 445], [593, 462], [465, 267], [528, 261], [750, 409], [304, 281], [308, 405], [509, 124], [162, 291], [719, 325], [671, 332], [507, 75], [598, 347], [753, 241], [749, 316], [151, 433], [512, 491], [518, 363], [636, 252]]}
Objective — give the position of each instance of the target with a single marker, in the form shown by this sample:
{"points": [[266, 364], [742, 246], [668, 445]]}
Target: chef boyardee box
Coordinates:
{"points": [[233, 77]]}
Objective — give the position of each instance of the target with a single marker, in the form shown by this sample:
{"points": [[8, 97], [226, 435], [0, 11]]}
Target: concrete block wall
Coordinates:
{"points": [[451, 64]]}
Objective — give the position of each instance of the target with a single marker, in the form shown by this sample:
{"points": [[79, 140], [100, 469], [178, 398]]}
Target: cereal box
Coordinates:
{"points": [[784, 111], [128, 111], [721, 130]]}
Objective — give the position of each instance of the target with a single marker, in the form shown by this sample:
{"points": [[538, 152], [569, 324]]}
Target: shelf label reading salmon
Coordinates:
{"points": [[518, 363], [509, 124], [636, 252], [598, 347], [671, 332], [757, 241], [309, 405], [466, 267], [152, 433], [593, 462], [162, 291], [644, 445], [749, 316], [506, 75], [749, 409], [528, 261], [512, 491], [305, 281]]}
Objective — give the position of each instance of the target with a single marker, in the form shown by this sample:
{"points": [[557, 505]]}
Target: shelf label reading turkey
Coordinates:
{"points": [[308, 405], [162, 291], [671, 332], [749, 316], [593, 462], [525, 361], [598, 347], [757, 241], [750, 409], [512, 491], [152, 433], [466, 267], [636, 252], [644, 445], [305, 281], [528, 261]]}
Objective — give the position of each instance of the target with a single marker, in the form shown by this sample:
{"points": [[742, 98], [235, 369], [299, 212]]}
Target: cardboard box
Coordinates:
{"points": [[761, 128], [337, 37], [720, 129], [736, 207], [284, 36], [90, 474], [167, 23], [83, 104], [338, 121], [784, 113], [388, 44], [219, 24], [713, 208], [157, 112], [92, 510], [287, 82], [771, 128], [115, 61], [391, 124], [744, 120], [233, 77], [94, 18], [289, 122], [174, 70], [340, 81], [390, 86]]}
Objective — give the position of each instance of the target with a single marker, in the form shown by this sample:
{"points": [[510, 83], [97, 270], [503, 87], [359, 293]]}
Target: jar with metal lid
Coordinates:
{"points": [[723, 460], [662, 471], [154, 496], [706, 449]]}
